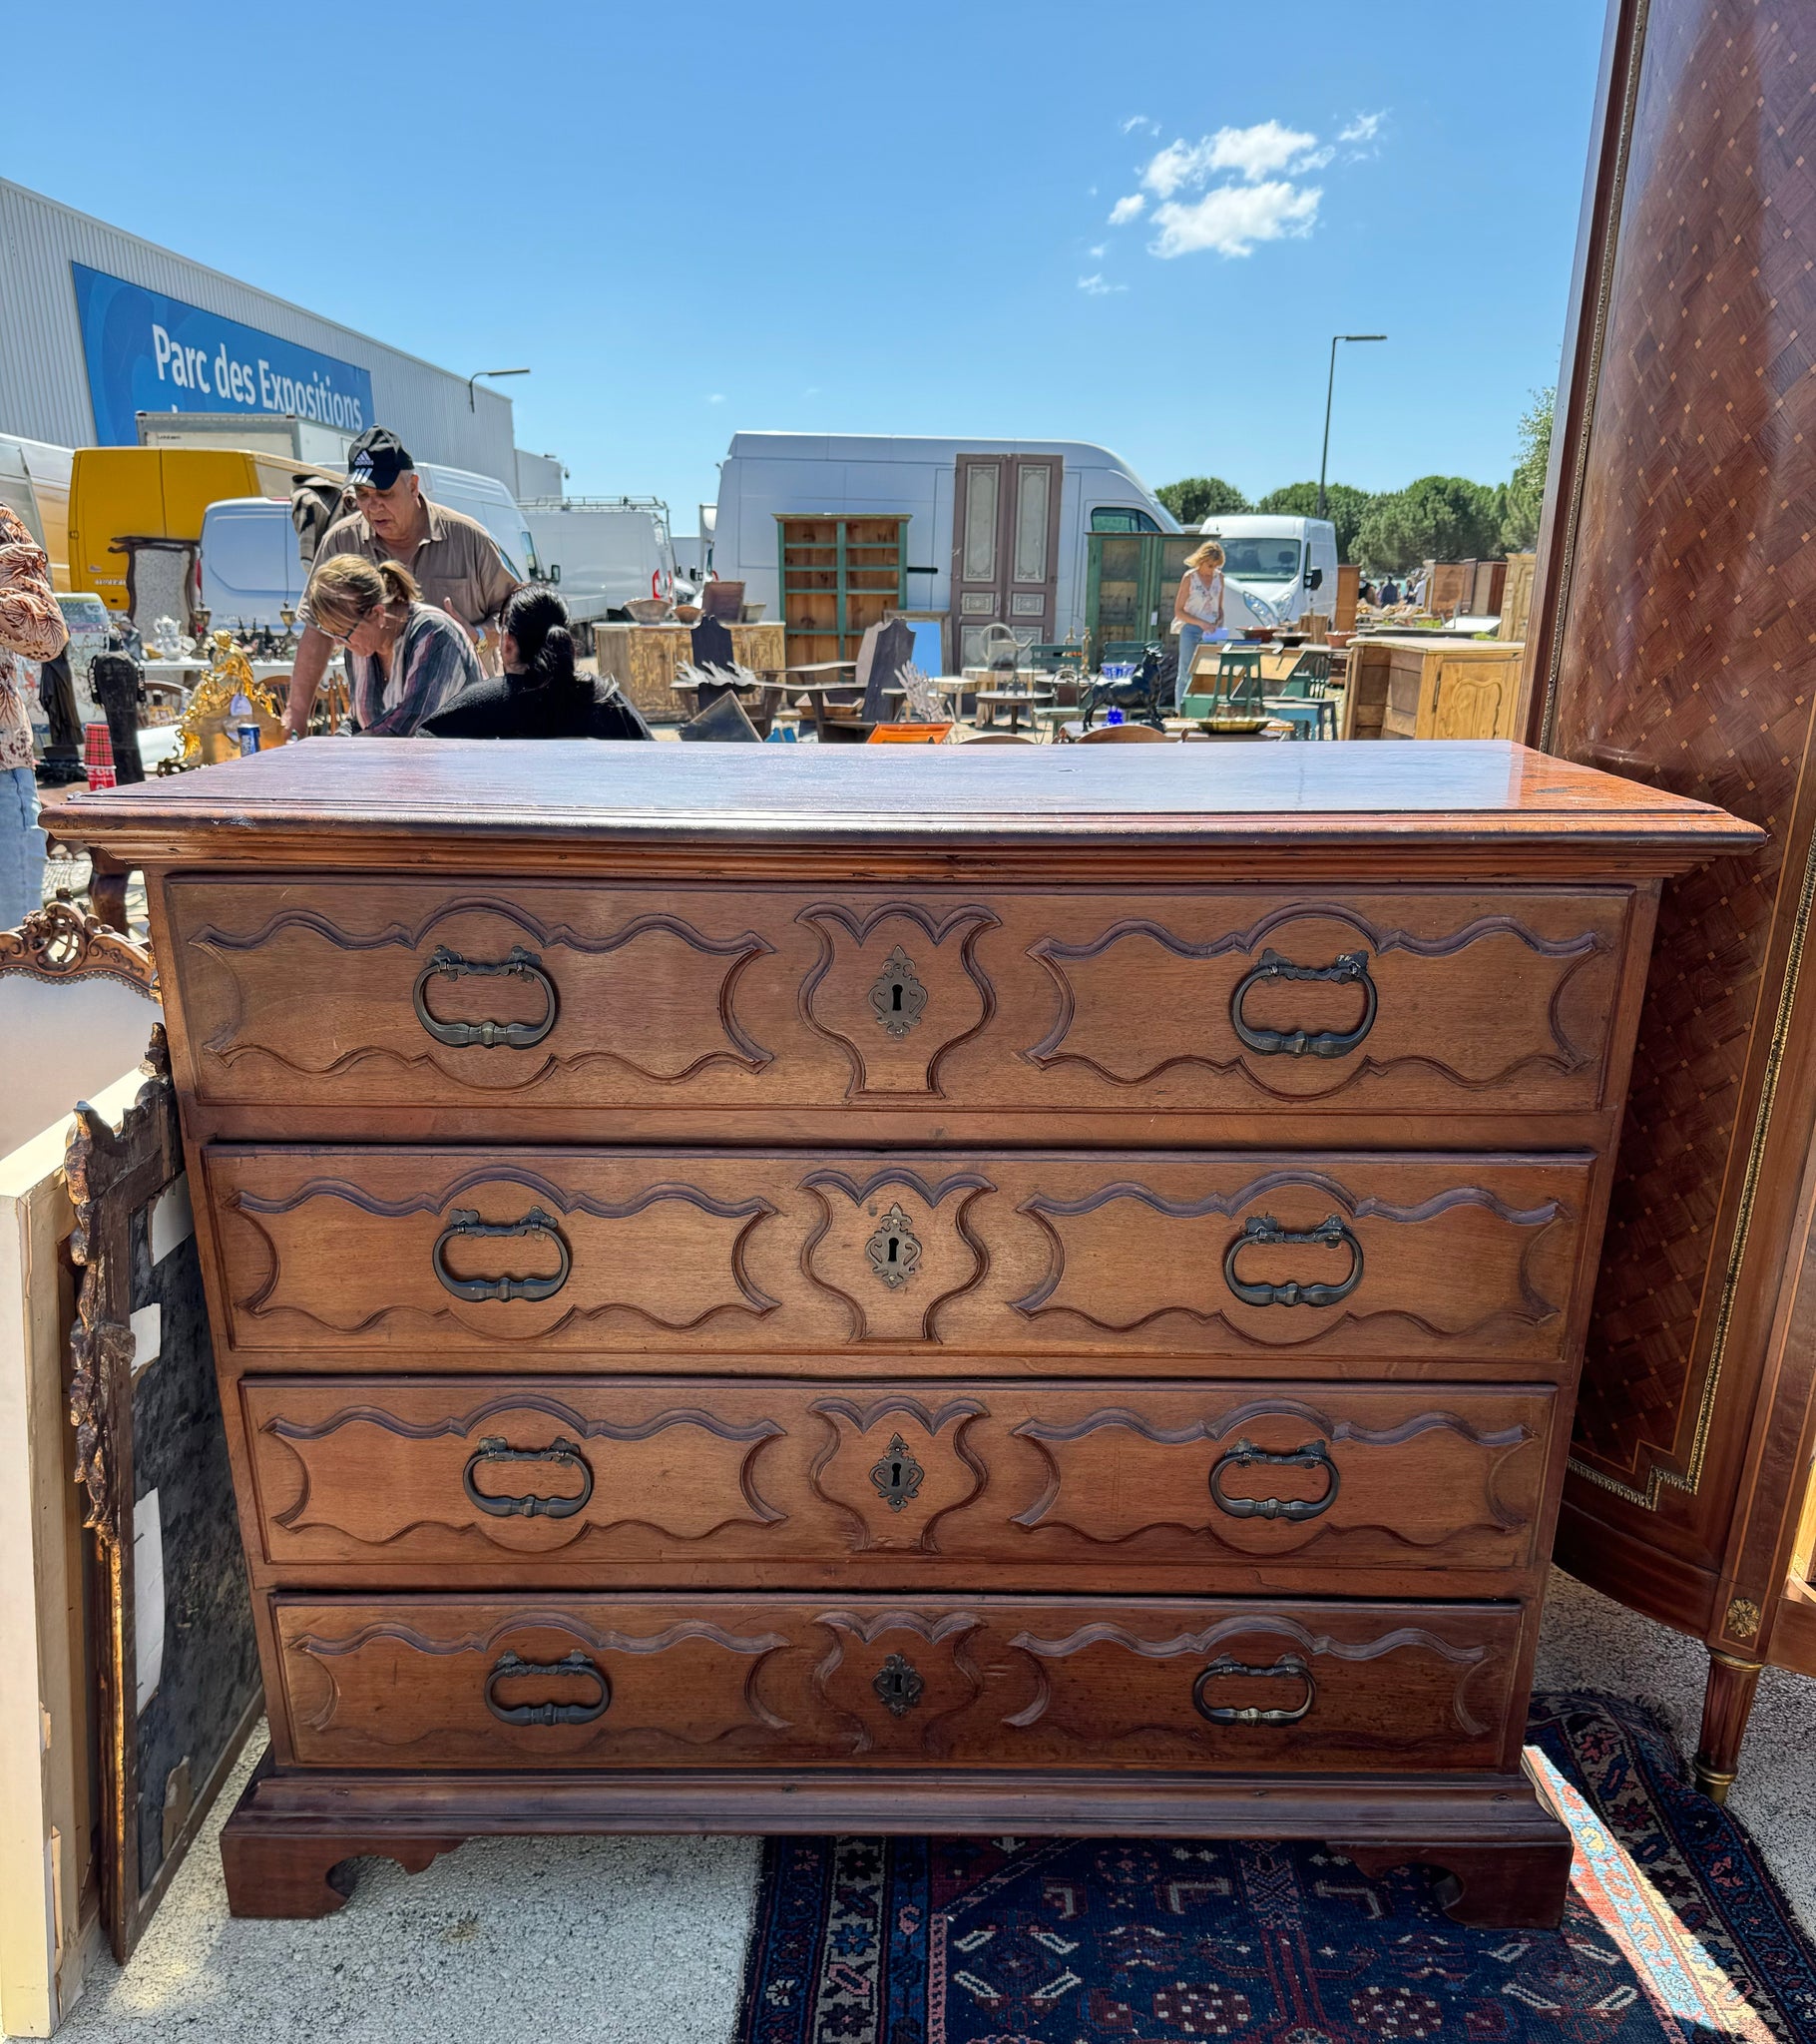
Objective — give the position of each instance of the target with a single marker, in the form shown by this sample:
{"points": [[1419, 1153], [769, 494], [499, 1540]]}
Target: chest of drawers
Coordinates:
{"points": [[897, 1289]]}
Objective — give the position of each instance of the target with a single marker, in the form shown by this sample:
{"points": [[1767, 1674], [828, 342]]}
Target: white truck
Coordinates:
{"points": [[603, 552], [997, 530], [1276, 568], [308, 442]]}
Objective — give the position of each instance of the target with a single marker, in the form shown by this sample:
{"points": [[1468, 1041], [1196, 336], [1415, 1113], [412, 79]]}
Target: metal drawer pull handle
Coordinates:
{"points": [[1226, 1714], [1245, 1455], [494, 1448], [466, 1220], [1349, 970], [1330, 1232], [519, 964], [547, 1714]]}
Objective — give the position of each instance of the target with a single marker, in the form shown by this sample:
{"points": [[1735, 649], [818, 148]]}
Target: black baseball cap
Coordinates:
{"points": [[376, 459]]}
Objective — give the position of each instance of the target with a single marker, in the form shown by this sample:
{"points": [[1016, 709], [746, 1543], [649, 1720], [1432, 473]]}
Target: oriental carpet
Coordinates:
{"points": [[1676, 1932]]}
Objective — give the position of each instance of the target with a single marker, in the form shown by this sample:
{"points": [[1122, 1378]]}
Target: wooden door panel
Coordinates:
{"points": [[579, 1474], [636, 1682], [705, 999], [748, 1254]]}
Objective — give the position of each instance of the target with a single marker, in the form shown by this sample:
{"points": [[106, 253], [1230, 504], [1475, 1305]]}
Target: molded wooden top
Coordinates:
{"points": [[1471, 806]]}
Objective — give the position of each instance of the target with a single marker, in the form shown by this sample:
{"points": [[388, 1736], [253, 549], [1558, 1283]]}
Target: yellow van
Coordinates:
{"points": [[118, 493]]}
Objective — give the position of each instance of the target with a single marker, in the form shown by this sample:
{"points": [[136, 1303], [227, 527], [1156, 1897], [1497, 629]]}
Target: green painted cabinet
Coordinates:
{"points": [[1131, 579]]}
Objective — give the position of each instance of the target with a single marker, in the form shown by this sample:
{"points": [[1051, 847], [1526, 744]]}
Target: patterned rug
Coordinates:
{"points": [[1675, 1933]]}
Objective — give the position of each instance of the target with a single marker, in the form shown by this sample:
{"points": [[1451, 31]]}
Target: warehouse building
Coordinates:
{"points": [[96, 325]]}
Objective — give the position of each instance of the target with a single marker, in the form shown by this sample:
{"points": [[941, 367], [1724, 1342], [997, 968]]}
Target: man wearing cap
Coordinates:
{"points": [[455, 560]]}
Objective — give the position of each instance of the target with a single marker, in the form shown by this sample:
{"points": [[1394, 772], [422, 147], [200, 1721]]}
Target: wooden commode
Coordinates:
{"points": [[900, 1290]]}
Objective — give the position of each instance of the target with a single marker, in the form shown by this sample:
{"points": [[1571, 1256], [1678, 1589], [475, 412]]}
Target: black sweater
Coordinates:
{"points": [[508, 707]]}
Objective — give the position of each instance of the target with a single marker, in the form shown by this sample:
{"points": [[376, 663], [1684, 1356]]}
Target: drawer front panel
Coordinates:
{"points": [[1236, 1254], [533, 995], [1062, 1683], [582, 1474]]}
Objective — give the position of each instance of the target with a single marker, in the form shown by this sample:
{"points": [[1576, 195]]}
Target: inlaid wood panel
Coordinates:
{"points": [[1677, 650], [533, 995], [745, 1254], [584, 1474], [630, 1682]]}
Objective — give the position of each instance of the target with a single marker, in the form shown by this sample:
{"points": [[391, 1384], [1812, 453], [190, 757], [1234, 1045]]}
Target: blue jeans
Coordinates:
{"points": [[21, 847], [1191, 636]]}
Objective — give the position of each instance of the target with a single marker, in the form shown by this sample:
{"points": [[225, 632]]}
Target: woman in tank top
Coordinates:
{"points": [[1197, 609]]}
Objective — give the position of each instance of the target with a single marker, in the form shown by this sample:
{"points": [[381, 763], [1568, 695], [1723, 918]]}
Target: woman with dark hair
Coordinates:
{"points": [[541, 694]]}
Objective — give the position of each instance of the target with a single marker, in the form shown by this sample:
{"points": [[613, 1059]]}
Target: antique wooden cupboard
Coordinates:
{"points": [[1423, 685], [1672, 642], [909, 1290]]}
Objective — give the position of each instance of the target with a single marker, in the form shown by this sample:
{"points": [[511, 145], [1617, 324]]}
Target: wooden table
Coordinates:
{"points": [[650, 1224], [1015, 701], [644, 660]]}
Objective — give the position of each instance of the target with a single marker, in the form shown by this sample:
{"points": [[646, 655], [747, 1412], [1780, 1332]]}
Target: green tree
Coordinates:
{"points": [[1198, 496], [1437, 518], [1525, 492], [1343, 506]]}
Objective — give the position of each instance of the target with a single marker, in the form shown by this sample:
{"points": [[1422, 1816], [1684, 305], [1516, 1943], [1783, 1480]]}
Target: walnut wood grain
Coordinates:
{"points": [[1439, 807], [921, 1197], [692, 1480], [760, 1002], [713, 1681], [748, 1254]]}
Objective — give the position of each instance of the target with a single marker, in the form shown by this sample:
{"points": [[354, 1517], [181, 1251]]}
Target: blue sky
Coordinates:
{"points": [[1126, 223]]}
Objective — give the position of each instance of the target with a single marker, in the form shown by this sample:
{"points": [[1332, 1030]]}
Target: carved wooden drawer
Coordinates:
{"points": [[711, 1682], [533, 995], [1136, 1483], [488, 1253]]}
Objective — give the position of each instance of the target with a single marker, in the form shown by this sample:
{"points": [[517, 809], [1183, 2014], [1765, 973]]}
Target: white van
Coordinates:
{"points": [[252, 560], [603, 552], [1017, 552], [484, 497], [252, 564], [35, 483], [1275, 568]]}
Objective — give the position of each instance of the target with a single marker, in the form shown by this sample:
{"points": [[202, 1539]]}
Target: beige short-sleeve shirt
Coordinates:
{"points": [[458, 563]]}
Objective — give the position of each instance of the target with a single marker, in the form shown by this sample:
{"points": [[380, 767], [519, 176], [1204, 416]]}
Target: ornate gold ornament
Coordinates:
{"points": [[207, 739]]}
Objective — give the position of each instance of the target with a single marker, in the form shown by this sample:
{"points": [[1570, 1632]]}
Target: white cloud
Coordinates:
{"points": [[1096, 287], [1253, 152], [1143, 122], [1362, 130], [1246, 182], [1097, 252], [717, 398], [1232, 219], [1125, 210]]}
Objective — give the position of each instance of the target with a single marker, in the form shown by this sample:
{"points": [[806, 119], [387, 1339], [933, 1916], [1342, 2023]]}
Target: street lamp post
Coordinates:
{"points": [[477, 374], [1330, 390]]}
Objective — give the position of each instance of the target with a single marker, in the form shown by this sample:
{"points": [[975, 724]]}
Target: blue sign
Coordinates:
{"points": [[147, 353]]}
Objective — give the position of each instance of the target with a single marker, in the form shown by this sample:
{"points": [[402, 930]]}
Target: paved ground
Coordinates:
{"points": [[640, 1940], [555, 1941]]}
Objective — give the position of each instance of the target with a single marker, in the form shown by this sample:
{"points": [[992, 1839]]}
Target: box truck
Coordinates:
{"points": [[602, 551], [307, 443], [997, 530]]}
